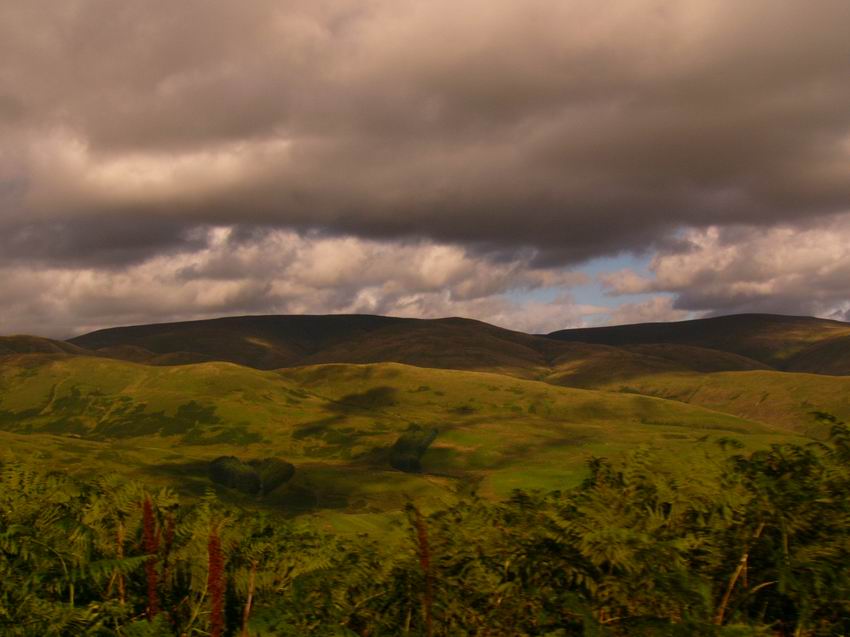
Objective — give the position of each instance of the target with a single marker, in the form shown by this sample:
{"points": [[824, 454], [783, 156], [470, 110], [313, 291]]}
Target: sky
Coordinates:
{"points": [[534, 164]]}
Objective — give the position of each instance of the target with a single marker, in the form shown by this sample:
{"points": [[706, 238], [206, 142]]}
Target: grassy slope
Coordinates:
{"points": [[335, 422], [782, 399], [831, 356], [269, 342], [771, 339], [22, 344], [263, 342], [591, 365]]}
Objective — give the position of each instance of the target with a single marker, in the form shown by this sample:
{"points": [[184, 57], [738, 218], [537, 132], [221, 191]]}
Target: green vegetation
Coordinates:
{"points": [[406, 453], [791, 343], [633, 550], [573, 357], [253, 477], [273, 473], [507, 484], [789, 401], [231, 472], [337, 425]]}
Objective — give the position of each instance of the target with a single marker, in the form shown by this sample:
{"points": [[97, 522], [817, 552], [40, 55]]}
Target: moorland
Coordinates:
{"points": [[632, 471]]}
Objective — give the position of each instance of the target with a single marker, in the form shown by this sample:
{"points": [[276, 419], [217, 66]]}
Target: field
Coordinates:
{"points": [[803, 403], [354, 475], [336, 423], [333, 394]]}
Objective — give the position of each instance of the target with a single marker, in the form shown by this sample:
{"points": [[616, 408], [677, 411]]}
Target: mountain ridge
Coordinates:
{"points": [[271, 342], [578, 357], [787, 343]]}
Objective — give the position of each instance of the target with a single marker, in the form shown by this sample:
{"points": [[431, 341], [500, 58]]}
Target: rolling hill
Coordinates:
{"points": [[272, 342], [806, 403], [333, 394], [792, 343], [21, 344], [336, 424], [830, 356], [589, 365]]}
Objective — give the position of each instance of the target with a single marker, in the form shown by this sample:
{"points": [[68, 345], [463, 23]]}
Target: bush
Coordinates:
{"points": [[406, 453], [231, 472], [634, 551], [273, 472], [260, 476]]}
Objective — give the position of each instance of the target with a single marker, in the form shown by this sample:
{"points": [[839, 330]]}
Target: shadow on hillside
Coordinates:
{"points": [[374, 398], [316, 486]]}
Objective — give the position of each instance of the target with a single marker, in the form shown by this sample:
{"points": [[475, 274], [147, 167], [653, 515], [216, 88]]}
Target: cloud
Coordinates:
{"points": [[283, 272], [425, 155], [785, 269], [625, 281], [573, 128], [653, 310]]}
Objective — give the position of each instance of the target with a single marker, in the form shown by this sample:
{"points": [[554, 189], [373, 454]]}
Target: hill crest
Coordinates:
{"points": [[790, 343], [272, 342], [578, 357]]}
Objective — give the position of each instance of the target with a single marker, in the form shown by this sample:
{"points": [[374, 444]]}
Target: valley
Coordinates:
{"points": [[332, 394], [331, 456]]}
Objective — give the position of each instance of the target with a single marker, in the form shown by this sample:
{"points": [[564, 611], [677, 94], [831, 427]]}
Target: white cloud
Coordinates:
{"points": [[405, 129], [653, 310], [785, 269], [283, 272]]}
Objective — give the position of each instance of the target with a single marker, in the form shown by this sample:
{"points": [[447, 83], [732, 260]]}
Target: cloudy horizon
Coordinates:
{"points": [[534, 164]]}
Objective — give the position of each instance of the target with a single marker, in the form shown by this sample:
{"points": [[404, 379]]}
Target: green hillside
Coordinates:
{"points": [[590, 365], [831, 356], [337, 423], [796, 402], [344, 398], [271, 342], [22, 344], [773, 340]]}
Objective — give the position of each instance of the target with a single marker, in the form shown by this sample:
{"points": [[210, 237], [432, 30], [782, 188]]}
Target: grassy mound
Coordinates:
{"points": [[795, 402], [337, 424]]}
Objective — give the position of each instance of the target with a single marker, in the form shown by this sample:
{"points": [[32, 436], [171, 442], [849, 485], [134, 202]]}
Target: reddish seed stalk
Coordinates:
{"points": [[151, 546], [119, 540], [215, 583], [425, 565], [246, 612], [168, 541]]}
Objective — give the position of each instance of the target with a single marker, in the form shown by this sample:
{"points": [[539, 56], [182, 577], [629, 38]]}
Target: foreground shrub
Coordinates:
{"points": [[406, 453], [273, 472], [231, 472], [633, 551], [254, 477]]}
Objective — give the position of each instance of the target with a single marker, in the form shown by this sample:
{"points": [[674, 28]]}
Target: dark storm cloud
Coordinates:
{"points": [[163, 160], [104, 242], [576, 128]]}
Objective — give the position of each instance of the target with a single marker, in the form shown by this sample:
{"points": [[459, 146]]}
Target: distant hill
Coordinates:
{"points": [[273, 342], [20, 344], [830, 356], [592, 365], [262, 342], [791, 343], [805, 403], [336, 424], [332, 395]]}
